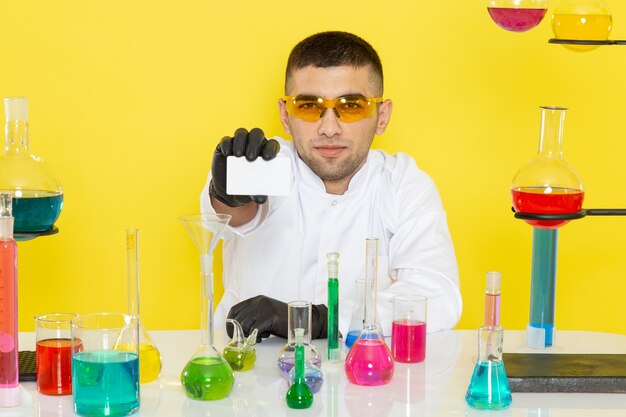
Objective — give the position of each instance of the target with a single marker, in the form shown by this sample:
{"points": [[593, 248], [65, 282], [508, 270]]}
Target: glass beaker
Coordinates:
{"points": [[489, 387], [299, 317], [149, 356], [517, 15], [369, 361], [36, 191], [582, 20], [105, 379], [548, 184], [408, 330], [207, 375], [54, 353]]}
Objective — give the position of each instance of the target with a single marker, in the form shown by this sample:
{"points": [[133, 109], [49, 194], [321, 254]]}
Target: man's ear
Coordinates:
{"points": [[384, 115]]}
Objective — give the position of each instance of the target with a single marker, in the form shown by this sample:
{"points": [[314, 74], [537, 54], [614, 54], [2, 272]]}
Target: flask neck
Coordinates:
{"points": [[490, 343], [16, 135], [551, 139]]}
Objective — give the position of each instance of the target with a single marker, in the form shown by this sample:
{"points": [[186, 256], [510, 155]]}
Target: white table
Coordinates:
{"points": [[433, 388]]}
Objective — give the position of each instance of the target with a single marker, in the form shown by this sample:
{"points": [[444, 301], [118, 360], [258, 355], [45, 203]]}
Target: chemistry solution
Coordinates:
{"points": [[207, 378], [516, 19], [408, 340], [36, 211], [540, 200], [54, 366], [489, 387], [106, 383]]}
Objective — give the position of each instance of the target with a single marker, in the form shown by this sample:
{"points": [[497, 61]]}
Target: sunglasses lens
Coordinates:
{"points": [[309, 110], [353, 109]]}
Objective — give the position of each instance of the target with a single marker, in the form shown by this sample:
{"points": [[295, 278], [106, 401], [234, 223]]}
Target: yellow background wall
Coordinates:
{"points": [[129, 98]]}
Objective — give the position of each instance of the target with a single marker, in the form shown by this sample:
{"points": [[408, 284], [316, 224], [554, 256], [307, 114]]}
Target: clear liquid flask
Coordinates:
{"points": [[517, 15], [207, 375], [37, 193], [489, 387], [582, 20], [369, 361], [149, 356], [548, 184], [299, 317], [299, 394], [240, 352]]}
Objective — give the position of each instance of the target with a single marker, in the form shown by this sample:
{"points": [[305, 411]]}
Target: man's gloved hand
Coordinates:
{"points": [[270, 317], [249, 144]]}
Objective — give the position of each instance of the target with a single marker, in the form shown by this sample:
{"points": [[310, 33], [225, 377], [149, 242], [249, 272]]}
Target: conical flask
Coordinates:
{"points": [[489, 387], [207, 375], [149, 356], [369, 361], [548, 184], [36, 191]]}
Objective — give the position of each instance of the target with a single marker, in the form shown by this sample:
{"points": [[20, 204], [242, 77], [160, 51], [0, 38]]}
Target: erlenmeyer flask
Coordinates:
{"points": [[489, 387], [369, 361], [358, 314], [582, 20], [240, 352], [207, 375], [299, 317], [36, 191], [548, 184], [149, 356], [517, 15]]}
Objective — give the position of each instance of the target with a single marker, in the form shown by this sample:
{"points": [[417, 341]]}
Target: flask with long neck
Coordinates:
{"points": [[369, 361], [9, 375]]}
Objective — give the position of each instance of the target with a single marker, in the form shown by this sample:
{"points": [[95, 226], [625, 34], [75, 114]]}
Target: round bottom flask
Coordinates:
{"points": [[299, 317], [207, 376]]}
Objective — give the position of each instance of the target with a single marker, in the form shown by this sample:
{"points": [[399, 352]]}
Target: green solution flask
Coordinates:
{"points": [[333, 353], [299, 394]]}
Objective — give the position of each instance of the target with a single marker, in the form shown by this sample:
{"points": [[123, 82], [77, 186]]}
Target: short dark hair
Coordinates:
{"points": [[333, 49]]}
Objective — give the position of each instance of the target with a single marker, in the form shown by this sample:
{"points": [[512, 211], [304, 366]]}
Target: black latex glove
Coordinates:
{"points": [[243, 143], [269, 316]]}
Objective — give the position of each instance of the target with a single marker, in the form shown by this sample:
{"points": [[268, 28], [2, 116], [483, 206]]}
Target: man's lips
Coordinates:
{"points": [[330, 150]]}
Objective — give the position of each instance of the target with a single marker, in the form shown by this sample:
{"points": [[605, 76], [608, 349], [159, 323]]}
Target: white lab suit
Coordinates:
{"points": [[282, 252]]}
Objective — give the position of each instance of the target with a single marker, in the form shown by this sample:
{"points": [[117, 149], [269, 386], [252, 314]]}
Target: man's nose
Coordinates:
{"points": [[330, 125]]}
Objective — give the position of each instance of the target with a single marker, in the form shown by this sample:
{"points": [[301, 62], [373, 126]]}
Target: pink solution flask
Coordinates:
{"points": [[9, 372], [369, 361]]}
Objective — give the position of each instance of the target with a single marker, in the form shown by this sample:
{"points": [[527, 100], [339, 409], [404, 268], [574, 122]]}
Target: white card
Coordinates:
{"points": [[259, 177]]}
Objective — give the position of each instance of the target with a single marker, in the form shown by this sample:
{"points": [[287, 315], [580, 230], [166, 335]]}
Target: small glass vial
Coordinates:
{"points": [[299, 317], [489, 387]]}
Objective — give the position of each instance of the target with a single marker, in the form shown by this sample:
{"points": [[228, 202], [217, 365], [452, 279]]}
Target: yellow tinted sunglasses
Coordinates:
{"points": [[347, 108]]}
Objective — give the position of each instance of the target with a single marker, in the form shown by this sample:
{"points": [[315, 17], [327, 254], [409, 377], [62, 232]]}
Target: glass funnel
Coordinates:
{"points": [[36, 191], [299, 317], [149, 356], [548, 184], [517, 15], [207, 375], [369, 361], [582, 20]]}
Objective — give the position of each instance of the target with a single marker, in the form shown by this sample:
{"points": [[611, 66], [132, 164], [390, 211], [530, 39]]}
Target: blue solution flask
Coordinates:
{"points": [[489, 387]]}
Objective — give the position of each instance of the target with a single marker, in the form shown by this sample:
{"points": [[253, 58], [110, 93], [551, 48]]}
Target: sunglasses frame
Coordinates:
{"points": [[290, 101]]}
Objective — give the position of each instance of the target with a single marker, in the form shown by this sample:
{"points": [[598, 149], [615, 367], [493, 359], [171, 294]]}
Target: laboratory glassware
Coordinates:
{"points": [[299, 317], [546, 185], [240, 352], [207, 375], [369, 361], [37, 193], [517, 15], [358, 313], [333, 352], [54, 353], [149, 356], [9, 371], [492, 299], [105, 379], [299, 394], [582, 20], [408, 329], [489, 387]]}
